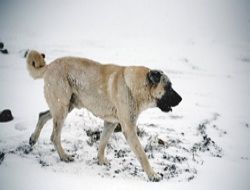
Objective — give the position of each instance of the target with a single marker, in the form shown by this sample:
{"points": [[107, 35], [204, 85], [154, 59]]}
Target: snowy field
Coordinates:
{"points": [[202, 45]]}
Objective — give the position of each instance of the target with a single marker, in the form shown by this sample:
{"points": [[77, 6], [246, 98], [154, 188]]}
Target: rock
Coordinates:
{"points": [[4, 51], [26, 53], [6, 115], [190, 178], [1, 157], [120, 153], [94, 136], [117, 171], [161, 142], [1, 45], [43, 163]]}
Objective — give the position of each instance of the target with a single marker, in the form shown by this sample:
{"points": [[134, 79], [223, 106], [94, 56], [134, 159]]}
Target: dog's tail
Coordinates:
{"points": [[36, 64]]}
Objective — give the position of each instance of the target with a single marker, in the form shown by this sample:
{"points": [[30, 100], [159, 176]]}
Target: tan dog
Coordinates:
{"points": [[113, 93]]}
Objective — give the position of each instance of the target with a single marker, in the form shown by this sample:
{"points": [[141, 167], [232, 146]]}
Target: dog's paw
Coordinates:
{"points": [[103, 161], [67, 158], [32, 141], [155, 177]]}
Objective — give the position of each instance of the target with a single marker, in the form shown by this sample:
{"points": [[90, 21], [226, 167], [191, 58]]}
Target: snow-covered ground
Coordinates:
{"points": [[202, 45]]}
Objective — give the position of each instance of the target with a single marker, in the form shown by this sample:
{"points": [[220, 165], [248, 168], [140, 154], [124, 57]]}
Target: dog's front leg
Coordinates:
{"points": [[129, 132], [106, 133]]}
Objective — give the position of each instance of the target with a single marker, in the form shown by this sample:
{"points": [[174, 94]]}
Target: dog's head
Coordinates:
{"points": [[161, 90], [36, 59]]}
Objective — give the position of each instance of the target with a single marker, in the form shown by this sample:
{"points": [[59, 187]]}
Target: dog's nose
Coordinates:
{"points": [[175, 98], [178, 97]]}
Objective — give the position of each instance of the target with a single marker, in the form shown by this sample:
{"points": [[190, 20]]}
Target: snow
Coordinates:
{"points": [[202, 45]]}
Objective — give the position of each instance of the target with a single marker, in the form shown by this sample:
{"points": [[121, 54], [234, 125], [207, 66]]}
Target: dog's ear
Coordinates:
{"points": [[43, 55], [154, 76]]}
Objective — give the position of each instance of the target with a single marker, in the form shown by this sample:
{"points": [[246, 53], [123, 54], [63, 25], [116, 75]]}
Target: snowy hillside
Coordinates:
{"points": [[202, 45]]}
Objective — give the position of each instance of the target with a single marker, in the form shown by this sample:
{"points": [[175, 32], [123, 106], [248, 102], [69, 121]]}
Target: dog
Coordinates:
{"points": [[116, 94]]}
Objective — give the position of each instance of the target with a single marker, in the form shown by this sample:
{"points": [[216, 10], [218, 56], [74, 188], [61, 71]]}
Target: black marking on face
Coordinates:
{"points": [[170, 99], [33, 63], [43, 55], [154, 77]]}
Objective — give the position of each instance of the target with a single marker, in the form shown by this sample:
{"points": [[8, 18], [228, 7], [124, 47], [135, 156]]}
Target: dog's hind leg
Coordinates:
{"points": [[106, 133], [43, 118]]}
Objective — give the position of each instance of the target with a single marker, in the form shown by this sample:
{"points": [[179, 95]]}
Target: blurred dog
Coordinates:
{"points": [[113, 93]]}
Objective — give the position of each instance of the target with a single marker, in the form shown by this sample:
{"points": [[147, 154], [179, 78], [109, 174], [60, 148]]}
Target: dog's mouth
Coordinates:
{"points": [[163, 106], [168, 109], [169, 99]]}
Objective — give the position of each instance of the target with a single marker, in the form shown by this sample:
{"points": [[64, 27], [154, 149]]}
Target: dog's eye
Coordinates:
{"points": [[33, 63], [43, 55], [154, 77]]}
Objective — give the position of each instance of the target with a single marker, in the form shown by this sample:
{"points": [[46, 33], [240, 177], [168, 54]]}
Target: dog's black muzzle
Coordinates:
{"points": [[169, 99]]}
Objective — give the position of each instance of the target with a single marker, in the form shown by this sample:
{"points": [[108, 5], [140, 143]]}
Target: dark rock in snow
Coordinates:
{"points": [[190, 178], [174, 159], [120, 154], [207, 144], [170, 168], [117, 171], [4, 51], [94, 136], [1, 45], [26, 53], [170, 171], [6, 115], [161, 142], [1, 157], [43, 163], [25, 149]]}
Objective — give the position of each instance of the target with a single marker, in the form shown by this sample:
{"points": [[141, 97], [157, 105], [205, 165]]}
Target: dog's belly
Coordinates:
{"points": [[99, 106]]}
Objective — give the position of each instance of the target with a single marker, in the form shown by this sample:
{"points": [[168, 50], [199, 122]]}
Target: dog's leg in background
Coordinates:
{"points": [[106, 133], [43, 118]]}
